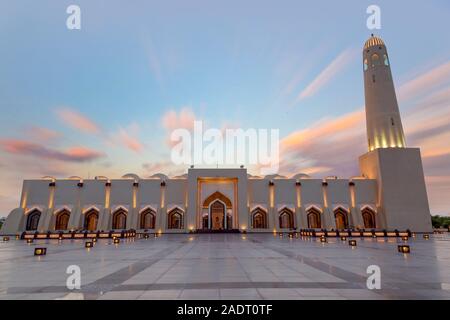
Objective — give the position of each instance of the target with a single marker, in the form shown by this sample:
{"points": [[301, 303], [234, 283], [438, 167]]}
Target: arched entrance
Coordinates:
{"points": [[62, 220], [33, 220], [90, 220], [313, 216], [369, 218], [217, 212], [341, 217], [119, 219]]}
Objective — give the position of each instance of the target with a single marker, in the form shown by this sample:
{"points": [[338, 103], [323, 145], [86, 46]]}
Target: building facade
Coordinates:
{"points": [[389, 194]]}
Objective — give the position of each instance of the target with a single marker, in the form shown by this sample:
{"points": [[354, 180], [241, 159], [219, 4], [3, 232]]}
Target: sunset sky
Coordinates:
{"points": [[103, 100]]}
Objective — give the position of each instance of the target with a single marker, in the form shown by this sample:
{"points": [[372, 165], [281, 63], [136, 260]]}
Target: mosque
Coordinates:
{"points": [[389, 194]]}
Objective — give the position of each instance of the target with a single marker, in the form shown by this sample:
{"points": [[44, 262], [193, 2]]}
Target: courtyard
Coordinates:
{"points": [[227, 266]]}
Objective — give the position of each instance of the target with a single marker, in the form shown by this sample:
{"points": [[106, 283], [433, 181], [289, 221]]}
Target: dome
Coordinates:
{"points": [[373, 42]]}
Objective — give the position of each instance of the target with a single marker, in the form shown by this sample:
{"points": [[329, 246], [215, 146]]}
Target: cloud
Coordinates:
{"points": [[166, 167], [78, 121], [127, 137], [42, 134], [172, 119], [74, 154], [336, 66]]}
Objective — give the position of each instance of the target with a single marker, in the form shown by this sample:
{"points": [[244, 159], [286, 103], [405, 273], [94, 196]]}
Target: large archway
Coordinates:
{"points": [[217, 214], [33, 220], [62, 220]]}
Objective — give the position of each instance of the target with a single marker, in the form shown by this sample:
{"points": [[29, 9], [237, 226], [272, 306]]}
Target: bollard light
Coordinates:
{"points": [[343, 238], [146, 236], [40, 251], [405, 238], [426, 236], [94, 240], [5, 239], [116, 240], [88, 244], [29, 240], [352, 243], [404, 249], [323, 239]]}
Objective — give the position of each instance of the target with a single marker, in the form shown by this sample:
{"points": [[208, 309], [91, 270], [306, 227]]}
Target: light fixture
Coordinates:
{"points": [[426, 236], [5, 239], [323, 239], [281, 235], [352, 243], [116, 240], [405, 238], [404, 249], [29, 240], [40, 251], [17, 237], [88, 244], [343, 238], [146, 236], [94, 240]]}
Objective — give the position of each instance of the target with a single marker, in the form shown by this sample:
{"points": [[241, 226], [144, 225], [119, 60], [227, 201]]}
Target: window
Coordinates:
{"points": [[373, 78], [366, 65], [369, 218], [386, 60], [375, 60], [392, 122]]}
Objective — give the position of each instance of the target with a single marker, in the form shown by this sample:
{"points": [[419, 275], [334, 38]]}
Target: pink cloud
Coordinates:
{"points": [[75, 154], [42, 134], [336, 66], [129, 141], [78, 121]]}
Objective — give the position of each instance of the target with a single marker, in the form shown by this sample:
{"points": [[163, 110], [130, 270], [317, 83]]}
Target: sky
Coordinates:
{"points": [[103, 100]]}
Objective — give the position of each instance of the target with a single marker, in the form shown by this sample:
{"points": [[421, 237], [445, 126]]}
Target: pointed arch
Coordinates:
{"points": [[217, 195], [175, 219], [148, 219], [91, 219], [341, 218], [368, 216], [313, 217], [259, 218], [286, 218], [33, 220], [62, 219], [119, 219]]}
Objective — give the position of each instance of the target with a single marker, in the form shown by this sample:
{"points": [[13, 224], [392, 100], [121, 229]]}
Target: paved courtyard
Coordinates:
{"points": [[226, 266]]}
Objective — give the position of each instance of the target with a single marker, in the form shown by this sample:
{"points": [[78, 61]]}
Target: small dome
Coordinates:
{"points": [[373, 42]]}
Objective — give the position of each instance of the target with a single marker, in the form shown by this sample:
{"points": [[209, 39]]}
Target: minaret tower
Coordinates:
{"points": [[384, 125], [402, 201]]}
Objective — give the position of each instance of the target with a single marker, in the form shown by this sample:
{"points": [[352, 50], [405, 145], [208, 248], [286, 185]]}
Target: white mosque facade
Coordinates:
{"points": [[389, 194]]}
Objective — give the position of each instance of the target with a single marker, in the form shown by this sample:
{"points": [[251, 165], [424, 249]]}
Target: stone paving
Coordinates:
{"points": [[226, 266]]}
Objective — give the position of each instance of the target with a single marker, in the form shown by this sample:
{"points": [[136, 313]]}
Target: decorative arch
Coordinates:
{"points": [[91, 219], [286, 218], [217, 196], [175, 219], [259, 218], [313, 217], [368, 216], [62, 219], [33, 220], [341, 218], [148, 219], [119, 219]]}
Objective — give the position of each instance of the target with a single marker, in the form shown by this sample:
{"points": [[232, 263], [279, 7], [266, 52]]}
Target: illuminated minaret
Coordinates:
{"points": [[384, 125], [401, 191]]}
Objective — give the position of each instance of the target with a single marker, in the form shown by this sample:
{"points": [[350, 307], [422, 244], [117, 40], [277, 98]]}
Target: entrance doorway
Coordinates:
{"points": [[217, 214]]}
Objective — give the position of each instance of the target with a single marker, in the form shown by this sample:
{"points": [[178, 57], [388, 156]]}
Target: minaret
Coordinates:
{"points": [[402, 201], [384, 125]]}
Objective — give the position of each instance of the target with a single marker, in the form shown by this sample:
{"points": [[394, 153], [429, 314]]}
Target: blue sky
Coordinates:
{"points": [[229, 63]]}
